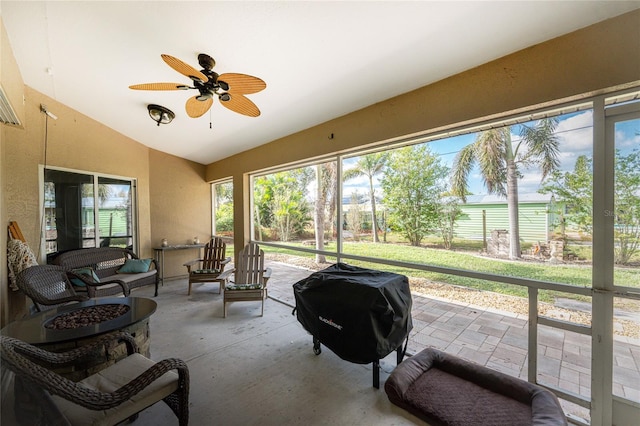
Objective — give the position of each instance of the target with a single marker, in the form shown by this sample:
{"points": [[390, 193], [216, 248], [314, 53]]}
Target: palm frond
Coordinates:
{"points": [[462, 165], [491, 152], [543, 144]]}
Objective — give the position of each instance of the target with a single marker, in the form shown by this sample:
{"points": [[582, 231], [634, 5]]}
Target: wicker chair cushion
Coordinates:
{"points": [[206, 271], [241, 287], [112, 378], [128, 278], [114, 288]]}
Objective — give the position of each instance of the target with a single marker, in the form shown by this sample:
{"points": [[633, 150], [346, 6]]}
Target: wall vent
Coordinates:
{"points": [[7, 114]]}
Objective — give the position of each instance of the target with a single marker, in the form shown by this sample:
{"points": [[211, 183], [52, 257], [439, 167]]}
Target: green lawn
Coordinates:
{"points": [[571, 274]]}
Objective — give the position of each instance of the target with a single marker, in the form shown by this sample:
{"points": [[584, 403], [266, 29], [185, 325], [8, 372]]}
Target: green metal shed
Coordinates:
{"points": [[537, 216]]}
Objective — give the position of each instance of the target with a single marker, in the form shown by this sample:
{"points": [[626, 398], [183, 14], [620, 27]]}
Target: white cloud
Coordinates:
{"points": [[530, 182], [575, 134], [626, 140]]}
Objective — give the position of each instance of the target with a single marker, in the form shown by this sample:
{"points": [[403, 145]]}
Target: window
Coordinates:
{"points": [[522, 228], [435, 202], [87, 210], [223, 209], [297, 207]]}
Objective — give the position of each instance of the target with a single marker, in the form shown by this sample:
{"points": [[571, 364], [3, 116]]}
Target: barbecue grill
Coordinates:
{"points": [[362, 315]]}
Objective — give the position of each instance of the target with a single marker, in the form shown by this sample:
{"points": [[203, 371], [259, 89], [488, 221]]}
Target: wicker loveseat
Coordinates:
{"points": [[108, 263]]}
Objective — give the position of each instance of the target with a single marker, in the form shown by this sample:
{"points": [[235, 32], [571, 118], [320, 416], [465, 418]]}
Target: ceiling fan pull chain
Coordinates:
{"points": [[210, 124]]}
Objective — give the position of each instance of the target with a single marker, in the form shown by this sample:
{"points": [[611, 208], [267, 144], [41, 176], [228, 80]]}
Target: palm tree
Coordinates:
{"points": [[499, 158], [369, 165], [325, 195]]}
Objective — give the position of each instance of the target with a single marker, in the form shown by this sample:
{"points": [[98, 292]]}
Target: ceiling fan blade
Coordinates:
{"points": [[184, 68], [243, 83], [159, 86], [196, 108], [241, 104]]}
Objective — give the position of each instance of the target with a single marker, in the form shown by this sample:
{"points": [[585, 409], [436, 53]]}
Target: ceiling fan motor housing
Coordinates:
{"points": [[210, 87]]}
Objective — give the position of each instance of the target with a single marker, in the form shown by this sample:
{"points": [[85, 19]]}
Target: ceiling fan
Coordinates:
{"points": [[230, 88]]}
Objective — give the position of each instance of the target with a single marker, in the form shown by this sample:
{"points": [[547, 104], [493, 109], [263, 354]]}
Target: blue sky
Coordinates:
{"points": [[575, 134]]}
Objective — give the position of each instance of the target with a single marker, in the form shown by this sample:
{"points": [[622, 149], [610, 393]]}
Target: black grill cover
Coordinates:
{"points": [[362, 315]]}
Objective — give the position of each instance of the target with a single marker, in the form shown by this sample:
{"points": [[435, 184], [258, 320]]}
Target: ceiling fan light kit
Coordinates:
{"points": [[229, 88], [160, 114]]}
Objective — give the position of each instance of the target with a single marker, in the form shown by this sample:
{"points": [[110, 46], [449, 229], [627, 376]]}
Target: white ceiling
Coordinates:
{"points": [[320, 59]]}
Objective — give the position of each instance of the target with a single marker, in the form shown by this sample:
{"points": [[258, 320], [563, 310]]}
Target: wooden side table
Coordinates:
{"points": [[159, 254]]}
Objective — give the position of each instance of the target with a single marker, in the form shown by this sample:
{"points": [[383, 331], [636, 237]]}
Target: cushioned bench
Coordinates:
{"points": [[442, 389], [109, 265]]}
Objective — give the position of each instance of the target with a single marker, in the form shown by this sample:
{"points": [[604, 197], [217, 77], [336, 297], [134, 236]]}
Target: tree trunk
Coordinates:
{"points": [[374, 225], [512, 207], [319, 215], [258, 225], [332, 191]]}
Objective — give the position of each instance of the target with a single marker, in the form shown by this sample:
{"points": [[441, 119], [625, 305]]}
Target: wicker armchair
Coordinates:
{"points": [[49, 285], [110, 396]]}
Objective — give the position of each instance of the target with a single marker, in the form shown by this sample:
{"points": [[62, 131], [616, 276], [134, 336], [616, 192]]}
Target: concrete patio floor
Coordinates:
{"points": [[499, 340], [290, 385]]}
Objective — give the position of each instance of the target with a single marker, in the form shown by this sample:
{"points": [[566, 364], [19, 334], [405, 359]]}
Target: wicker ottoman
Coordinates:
{"points": [[445, 390]]}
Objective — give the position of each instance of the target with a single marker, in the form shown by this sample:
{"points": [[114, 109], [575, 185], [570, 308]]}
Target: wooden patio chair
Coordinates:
{"points": [[108, 397], [210, 268], [250, 278]]}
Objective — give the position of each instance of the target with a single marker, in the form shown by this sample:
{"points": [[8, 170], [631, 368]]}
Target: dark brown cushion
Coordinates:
{"points": [[445, 390]]}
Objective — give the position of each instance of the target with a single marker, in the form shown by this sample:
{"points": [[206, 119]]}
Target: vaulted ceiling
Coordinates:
{"points": [[319, 59]]}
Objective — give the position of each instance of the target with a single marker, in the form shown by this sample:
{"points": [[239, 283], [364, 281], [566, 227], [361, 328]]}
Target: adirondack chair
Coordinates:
{"points": [[211, 266], [249, 279]]}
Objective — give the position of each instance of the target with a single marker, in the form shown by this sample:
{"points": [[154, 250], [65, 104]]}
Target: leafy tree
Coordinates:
{"points": [[449, 213], [105, 191], [224, 207], [280, 203], [369, 165], [576, 190], [224, 193], [627, 202], [500, 157], [224, 218], [354, 216], [262, 195], [413, 183]]}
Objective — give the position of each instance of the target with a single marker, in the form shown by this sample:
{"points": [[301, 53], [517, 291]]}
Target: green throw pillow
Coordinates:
{"points": [[206, 271], [135, 266], [87, 272]]}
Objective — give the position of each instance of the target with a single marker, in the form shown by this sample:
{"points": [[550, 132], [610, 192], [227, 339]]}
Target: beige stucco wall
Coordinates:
{"points": [[588, 61], [74, 141], [13, 86], [172, 188], [181, 207], [179, 196]]}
